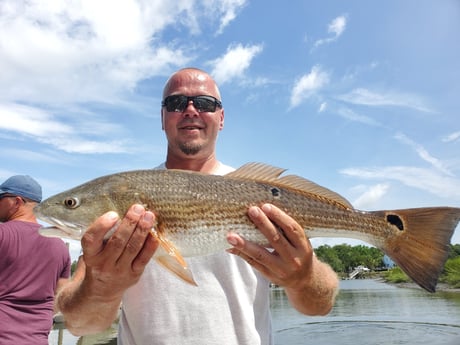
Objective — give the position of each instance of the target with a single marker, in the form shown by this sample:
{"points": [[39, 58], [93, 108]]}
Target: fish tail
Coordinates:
{"points": [[171, 259], [421, 247]]}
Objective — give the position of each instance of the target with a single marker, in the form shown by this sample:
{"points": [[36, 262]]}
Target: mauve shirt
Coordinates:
{"points": [[30, 267]]}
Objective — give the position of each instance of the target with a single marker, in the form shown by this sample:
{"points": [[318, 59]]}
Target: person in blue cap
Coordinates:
{"points": [[32, 267]]}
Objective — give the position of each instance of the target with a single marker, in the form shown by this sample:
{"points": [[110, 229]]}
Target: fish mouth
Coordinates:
{"points": [[61, 228]]}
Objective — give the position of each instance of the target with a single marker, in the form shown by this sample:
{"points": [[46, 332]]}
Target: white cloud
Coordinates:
{"points": [[44, 127], [308, 85], [31, 156], [322, 107], [4, 174], [193, 14], [77, 144], [230, 10], [61, 52], [424, 154], [363, 96], [336, 28], [234, 62], [354, 116], [31, 121], [452, 137], [424, 179], [66, 54], [371, 196], [95, 51]]}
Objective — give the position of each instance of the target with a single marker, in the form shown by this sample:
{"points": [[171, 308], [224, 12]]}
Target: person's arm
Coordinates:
{"points": [[316, 296], [310, 284], [90, 301], [60, 284]]}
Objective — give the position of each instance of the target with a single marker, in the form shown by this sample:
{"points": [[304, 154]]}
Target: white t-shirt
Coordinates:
{"points": [[230, 305]]}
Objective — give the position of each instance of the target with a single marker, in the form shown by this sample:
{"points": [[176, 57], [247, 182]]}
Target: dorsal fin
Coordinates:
{"points": [[269, 174], [257, 171]]}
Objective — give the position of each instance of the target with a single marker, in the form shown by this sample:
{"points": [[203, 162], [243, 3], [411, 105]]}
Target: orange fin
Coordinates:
{"points": [[261, 172], [421, 247], [173, 261]]}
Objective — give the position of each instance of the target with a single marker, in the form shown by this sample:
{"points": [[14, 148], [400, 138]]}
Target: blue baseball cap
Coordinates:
{"points": [[22, 185]]}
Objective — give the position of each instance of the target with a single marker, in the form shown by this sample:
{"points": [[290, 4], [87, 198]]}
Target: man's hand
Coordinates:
{"points": [[310, 284], [119, 262], [90, 301]]}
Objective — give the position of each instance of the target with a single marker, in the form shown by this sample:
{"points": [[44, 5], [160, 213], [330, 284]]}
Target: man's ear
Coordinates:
{"points": [[222, 116]]}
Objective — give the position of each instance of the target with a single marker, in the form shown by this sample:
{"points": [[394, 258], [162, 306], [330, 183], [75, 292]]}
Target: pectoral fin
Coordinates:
{"points": [[171, 259]]}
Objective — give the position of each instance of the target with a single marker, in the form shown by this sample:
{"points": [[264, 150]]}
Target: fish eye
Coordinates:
{"points": [[71, 202]]}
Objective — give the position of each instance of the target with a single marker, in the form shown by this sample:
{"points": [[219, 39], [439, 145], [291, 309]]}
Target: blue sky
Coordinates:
{"points": [[359, 96]]}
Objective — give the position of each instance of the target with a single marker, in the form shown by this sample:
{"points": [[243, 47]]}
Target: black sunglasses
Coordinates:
{"points": [[203, 104]]}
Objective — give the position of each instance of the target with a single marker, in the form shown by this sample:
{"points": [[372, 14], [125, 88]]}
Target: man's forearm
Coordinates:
{"points": [[317, 295], [85, 313]]}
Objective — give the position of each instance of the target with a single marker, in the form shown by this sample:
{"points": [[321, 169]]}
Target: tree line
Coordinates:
{"points": [[344, 257]]}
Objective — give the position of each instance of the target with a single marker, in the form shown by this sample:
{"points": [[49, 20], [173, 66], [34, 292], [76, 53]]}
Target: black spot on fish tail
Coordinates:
{"points": [[396, 221], [424, 247]]}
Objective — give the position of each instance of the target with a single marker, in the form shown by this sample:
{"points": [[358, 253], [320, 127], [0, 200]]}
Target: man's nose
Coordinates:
{"points": [[190, 109]]}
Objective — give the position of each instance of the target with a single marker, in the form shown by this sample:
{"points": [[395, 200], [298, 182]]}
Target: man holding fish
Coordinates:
{"points": [[230, 304]]}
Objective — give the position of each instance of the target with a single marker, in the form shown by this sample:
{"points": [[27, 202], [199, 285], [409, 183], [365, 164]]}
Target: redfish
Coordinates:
{"points": [[195, 211]]}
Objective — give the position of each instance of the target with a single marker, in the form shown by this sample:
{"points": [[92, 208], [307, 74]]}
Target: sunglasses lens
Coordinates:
{"points": [[176, 103], [204, 104]]}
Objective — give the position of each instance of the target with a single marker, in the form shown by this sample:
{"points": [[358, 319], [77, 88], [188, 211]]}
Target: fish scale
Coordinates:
{"points": [[195, 212]]}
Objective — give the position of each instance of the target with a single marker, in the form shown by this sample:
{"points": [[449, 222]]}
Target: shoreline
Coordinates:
{"points": [[440, 287]]}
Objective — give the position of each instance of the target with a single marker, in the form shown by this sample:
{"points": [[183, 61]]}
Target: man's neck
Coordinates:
{"points": [[24, 214]]}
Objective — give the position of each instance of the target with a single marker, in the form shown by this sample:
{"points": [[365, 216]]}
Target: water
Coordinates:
{"points": [[367, 312], [373, 313]]}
